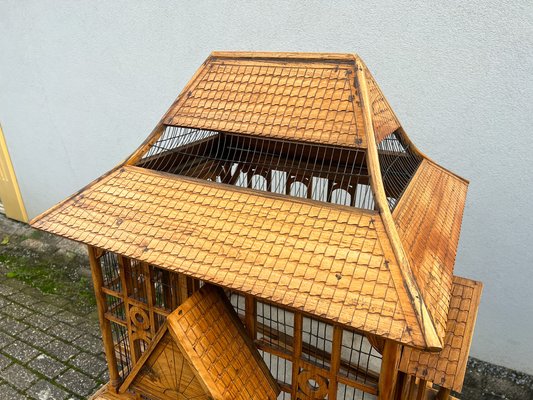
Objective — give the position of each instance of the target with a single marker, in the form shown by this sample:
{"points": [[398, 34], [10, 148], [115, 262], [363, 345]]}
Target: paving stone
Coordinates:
{"points": [[6, 290], [77, 382], [70, 318], [8, 393], [5, 340], [18, 376], [60, 350], [39, 321], [65, 332], [17, 311], [105, 376], [90, 344], [57, 301], [90, 327], [4, 301], [21, 351], [34, 293], [89, 364], [26, 299], [47, 366], [4, 362], [12, 326], [36, 337], [47, 309], [43, 390]]}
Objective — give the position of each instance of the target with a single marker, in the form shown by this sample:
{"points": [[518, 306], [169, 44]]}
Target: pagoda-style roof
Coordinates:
{"points": [[286, 176]]}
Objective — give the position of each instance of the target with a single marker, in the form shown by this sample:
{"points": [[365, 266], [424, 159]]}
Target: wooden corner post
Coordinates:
{"points": [[389, 370], [105, 325]]}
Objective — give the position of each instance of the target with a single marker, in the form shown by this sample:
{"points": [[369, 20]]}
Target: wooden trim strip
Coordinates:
{"points": [[298, 323], [116, 320], [415, 300], [336, 345], [389, 370], [358, 385], [288, 56]]}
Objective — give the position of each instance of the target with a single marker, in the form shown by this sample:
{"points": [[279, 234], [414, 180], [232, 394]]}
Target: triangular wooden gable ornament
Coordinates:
{"points": [[202, 352]]}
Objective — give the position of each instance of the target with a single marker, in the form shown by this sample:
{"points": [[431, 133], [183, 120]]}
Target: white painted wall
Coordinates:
{"points": [[83, 82]]}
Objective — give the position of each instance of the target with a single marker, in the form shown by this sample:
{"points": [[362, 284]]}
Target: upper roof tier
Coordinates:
{"points": [[286, 176], [310, 102]]}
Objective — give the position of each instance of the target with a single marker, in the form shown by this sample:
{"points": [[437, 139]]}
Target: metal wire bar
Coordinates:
{"points": [[319, 172], [398, 163]]}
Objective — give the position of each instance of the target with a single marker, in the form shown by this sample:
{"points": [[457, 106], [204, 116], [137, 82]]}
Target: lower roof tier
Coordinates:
{"points": [[447, 368], [331, 261]]}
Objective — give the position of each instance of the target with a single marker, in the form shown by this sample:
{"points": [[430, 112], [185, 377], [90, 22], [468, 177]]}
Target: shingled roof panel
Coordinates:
{"points": [[203, 196], [325, 261]]}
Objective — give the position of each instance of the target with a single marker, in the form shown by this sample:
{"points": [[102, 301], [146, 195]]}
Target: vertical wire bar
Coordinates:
{"points": [[166, 289], [105, 325], [175, 300]]}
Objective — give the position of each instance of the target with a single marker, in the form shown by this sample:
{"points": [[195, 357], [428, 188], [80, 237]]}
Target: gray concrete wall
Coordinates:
{"points": [[82, 83]]}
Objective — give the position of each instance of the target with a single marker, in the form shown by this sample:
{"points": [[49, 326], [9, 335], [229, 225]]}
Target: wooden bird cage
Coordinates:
{"points": [[277, 236]]}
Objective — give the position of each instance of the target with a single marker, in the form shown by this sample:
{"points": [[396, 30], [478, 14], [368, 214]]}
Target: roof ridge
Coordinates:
{"points": [[408, 282], [319, 56]]}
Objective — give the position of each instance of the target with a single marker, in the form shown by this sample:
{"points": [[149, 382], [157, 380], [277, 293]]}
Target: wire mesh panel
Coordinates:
{"points": [[136, 280], [326, 173], [138, 297], [275, 327], [398, 163], [299, 351], [110, 271], [122, 348], [115, 307], [346, 392], [317, 342], [164, 288], [280, 368], [238, 302], [359, 360]]}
